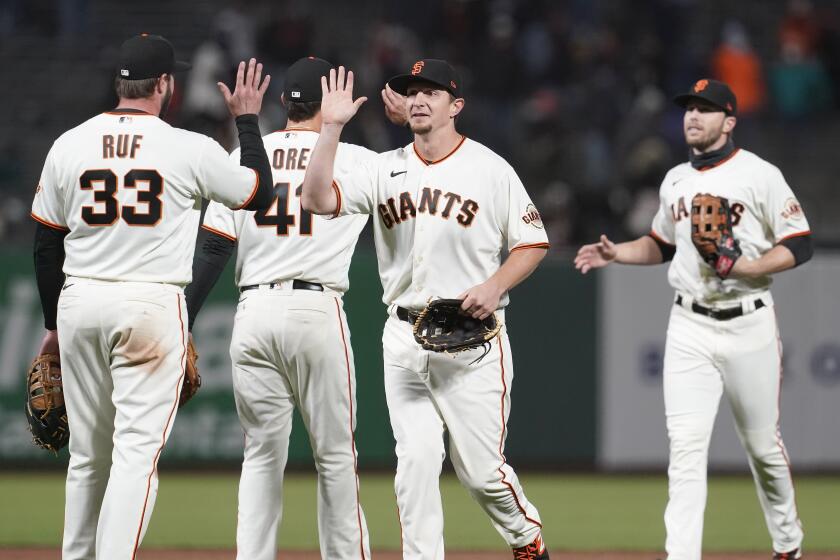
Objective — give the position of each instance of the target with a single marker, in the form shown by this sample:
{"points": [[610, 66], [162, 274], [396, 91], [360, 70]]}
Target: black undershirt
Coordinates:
{"points": [[212, 252], [49, 276], [710, 159]]}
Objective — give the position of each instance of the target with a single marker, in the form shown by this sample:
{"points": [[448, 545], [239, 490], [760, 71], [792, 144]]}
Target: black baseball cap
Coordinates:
{"points": [[715, 92], [303, 79], [432, 70], [148, 56]]}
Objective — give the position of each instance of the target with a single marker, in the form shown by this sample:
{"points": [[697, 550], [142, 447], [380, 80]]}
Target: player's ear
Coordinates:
{"points": [[729, 124], [283, 99], [162, 83], [455, 107]]}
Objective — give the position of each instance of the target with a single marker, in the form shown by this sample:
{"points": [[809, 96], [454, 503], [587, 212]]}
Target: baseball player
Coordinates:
{"points": [[117, 208], [722, 335], [291, 345], [445, 207]]}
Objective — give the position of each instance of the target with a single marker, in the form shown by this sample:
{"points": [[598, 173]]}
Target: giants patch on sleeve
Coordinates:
{"points": [[532, 217], [792, 210]]}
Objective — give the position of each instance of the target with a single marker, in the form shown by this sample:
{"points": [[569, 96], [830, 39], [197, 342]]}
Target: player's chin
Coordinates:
{"points": [[420, 127]]}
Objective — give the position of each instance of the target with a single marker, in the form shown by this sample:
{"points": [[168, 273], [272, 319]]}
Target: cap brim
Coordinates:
{"points": [[181, 65], [685, 98], [400, 84]]}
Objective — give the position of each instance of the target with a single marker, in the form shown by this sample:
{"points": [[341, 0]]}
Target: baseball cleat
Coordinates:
{"points": [[534, 551], [794, 554]]}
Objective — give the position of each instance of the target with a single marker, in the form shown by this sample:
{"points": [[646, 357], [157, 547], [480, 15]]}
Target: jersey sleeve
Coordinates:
{"points": [[662, 227], [48, 204], [524, 228], [219, 219], [782, 210], [354, 180], [221, 178]]}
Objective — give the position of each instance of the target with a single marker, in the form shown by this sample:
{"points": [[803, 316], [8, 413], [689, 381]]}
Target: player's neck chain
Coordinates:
{"points": [[713, 158]]}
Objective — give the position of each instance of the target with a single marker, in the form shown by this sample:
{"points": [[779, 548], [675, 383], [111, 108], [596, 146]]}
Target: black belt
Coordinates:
{"points": [[719, 314], [296, 285], [404, 314]]}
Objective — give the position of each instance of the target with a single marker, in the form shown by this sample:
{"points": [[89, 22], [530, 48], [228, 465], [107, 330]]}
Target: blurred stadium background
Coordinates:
{"points": [[576, 95]]}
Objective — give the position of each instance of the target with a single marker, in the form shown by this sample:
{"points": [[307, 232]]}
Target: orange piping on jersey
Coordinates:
{"points": [[502, 436], [721, 162], [797, 234], [302, 129], [129, 113], [47, 223], [219, 233], [338, 199], [779, 419], [531, 246], [165, 429], [253, 192], [659, 238], [429, 162], [352, 436]]}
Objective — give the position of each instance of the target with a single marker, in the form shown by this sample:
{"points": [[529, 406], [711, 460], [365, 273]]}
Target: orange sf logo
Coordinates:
{"points": [[417, 68], [700, 85]]}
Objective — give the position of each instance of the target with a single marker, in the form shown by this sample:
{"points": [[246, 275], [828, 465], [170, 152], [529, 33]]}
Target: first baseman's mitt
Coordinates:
{"points": [[45, 409], [711, 232], [444, 327], [192, 380]]}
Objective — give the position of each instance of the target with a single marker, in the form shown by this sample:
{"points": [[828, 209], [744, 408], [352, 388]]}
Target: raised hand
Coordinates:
{"points": [[595, 255], [337, 104], [247, 93], [395, 108]]}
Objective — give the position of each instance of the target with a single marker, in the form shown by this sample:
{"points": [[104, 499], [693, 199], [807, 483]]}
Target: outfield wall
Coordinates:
{"points": [[552, 326], [587, 351], [635, 305]]}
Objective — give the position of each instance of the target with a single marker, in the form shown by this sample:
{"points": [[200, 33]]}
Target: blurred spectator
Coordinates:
{"points": [[736, 63], [800, 84], [800, 28]]}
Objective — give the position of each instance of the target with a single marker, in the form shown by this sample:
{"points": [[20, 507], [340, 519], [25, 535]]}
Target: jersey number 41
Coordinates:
{"points": [[277, 215]]}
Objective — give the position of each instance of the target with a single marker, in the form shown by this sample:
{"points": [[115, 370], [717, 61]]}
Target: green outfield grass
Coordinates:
{"points": [[578, 512]]}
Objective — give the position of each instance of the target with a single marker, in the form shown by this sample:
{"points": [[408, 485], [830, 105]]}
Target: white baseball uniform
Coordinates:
{"points": [[440, 228], [741, 356], [127, 187], [291, 347]]}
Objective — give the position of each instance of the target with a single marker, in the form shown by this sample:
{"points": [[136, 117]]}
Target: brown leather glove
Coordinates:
{"points": [[711, 232], [45, 409], [192, 380]]}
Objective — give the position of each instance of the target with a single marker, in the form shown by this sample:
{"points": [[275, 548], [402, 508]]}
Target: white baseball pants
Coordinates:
{"points": [[122, 350], [291, 348], [429, 393], [705, 358]]}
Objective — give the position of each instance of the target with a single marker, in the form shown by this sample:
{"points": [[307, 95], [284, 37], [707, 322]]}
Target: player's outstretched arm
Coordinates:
{"points": [[643, 250], [337, 108]]}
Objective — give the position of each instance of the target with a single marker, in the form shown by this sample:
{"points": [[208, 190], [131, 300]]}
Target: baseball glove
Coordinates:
{"points": [[442, 326], [192, 380], [45, 409], [711, 232]]}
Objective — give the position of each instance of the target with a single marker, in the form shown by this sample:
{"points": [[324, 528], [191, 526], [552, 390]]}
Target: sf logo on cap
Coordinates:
{"points": [[700, 85], [417, 68]]}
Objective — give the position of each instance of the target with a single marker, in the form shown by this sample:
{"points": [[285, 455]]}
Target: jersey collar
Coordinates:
{"points": [[708, 160], [430, 162], [128, 111]]}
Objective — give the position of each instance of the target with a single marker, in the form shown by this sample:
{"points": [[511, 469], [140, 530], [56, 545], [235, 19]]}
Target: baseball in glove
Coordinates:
{"points": [[192, 380], [711, 232], [442, 326], [45, 409]]}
